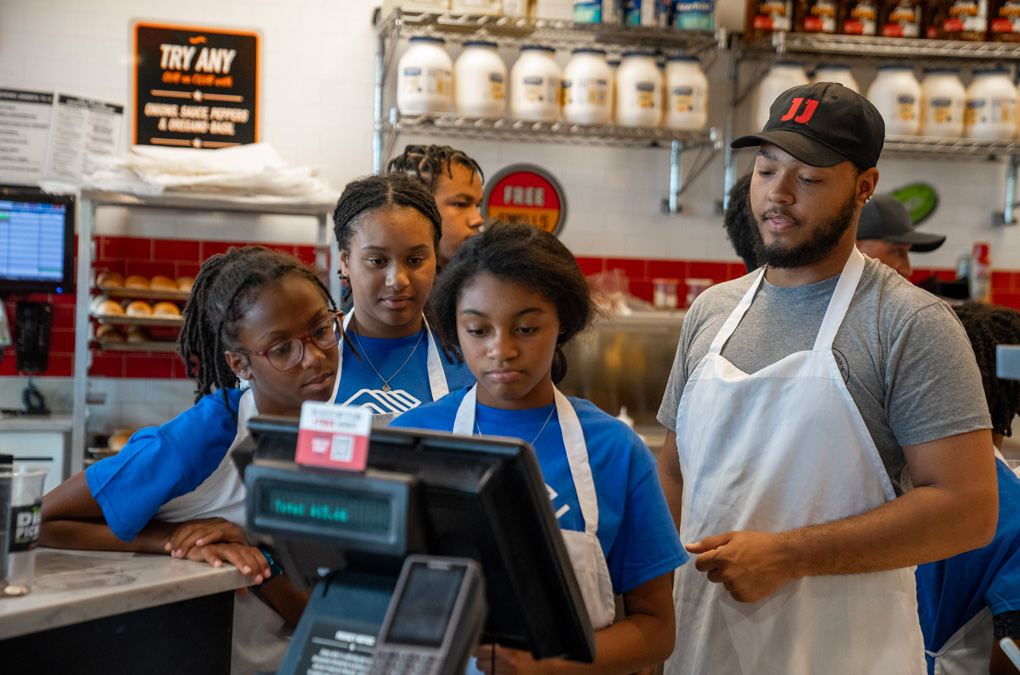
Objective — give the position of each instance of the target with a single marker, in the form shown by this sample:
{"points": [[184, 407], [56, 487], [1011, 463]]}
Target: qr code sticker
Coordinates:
{"points": [[342, 450]]}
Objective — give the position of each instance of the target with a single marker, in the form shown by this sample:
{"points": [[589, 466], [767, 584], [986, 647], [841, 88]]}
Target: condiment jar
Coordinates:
{"points": [[1004, 21], [990, 108], [782, 76], [816, 16], [479, 81], [965, 20], [942, 102], [901, 18], [839, 73], [860, 17], [425, 77], [765, 17], [535, 85], [638, 91], [587, 88], [897, 95], [686, 93]]}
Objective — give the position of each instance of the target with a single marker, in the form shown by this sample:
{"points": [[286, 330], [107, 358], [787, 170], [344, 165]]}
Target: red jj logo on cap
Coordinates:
{"points": [[809, 110]]}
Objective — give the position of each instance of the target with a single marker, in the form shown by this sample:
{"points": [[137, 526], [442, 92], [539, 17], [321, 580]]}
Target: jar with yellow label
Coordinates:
{"points": [[859, 17], [686, 94], [587, 87], [942, 103], [535, 85], [479, 80], [897, 95], [990, 109], [425, 77], [638, 91]]}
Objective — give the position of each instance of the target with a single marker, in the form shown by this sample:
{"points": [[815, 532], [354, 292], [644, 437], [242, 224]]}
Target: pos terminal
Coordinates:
{"points": [[404, 558]]}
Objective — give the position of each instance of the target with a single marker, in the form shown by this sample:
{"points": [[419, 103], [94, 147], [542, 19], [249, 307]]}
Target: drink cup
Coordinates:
{"points": [[21, 491]]}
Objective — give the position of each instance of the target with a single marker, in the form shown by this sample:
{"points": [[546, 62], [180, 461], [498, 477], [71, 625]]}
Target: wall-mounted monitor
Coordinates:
{"points": [[36, 242]]}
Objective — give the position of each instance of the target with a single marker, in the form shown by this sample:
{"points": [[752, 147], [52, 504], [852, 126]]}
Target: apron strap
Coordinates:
{"points": [[577, 457], [736, 315], [840, 301]]}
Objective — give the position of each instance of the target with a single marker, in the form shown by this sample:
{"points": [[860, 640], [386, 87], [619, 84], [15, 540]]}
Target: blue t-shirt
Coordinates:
{"points": [[951, 592], [636, 530], [361, 385], [160, 463]]}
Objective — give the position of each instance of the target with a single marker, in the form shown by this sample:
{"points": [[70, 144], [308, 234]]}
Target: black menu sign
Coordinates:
{"points": [[195, 87]]}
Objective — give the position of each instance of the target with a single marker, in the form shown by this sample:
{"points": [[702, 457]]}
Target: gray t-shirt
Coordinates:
{"points": [[903, 353]]}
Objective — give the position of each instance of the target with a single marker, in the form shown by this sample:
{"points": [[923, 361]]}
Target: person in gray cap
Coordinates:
{"points": [[826, 425], [886, 232]]}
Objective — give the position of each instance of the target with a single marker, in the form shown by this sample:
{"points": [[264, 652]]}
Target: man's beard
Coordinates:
{"points": [[822, 241]]}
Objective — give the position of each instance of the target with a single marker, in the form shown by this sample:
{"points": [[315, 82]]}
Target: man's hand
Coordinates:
{"points": [[751, 565], [248, 559]]}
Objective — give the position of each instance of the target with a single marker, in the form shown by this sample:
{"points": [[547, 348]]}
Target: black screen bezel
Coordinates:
{"points": [[67, 283]]}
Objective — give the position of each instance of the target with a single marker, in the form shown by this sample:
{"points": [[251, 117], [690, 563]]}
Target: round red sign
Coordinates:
{"points": [[526, 193]]}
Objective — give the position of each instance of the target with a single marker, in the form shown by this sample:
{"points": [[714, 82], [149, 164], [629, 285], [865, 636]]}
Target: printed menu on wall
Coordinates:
{"points": [[195, 87], [46, 136]]}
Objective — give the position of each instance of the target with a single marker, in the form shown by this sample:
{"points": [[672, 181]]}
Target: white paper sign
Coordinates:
{"points": [[24, 135]]}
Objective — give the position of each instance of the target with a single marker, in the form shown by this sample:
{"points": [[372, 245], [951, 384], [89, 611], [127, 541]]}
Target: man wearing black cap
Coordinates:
{"points": [[886, 233], [826, 425]]}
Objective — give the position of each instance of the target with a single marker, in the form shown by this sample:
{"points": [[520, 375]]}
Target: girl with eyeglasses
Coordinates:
{"points": [[256, 315], [388, 230]]}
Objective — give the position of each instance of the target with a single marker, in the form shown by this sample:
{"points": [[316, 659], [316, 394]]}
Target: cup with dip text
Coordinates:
{"points": [[21, 516]]}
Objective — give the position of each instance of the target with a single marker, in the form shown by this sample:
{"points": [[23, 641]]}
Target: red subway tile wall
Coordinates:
{"points": [[175, 257], [128, 255]]}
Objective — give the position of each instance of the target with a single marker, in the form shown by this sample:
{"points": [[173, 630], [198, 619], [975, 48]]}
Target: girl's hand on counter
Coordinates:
{"points": [[248, 559], [201, 532]]}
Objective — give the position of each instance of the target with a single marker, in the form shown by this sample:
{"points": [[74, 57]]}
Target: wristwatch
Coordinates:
{"points": [[275, 568]]}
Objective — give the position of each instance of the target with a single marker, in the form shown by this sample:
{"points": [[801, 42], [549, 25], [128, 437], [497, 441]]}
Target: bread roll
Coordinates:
{"points": [[185, 283], [110, 279], [165, 309], [139, 308], [109, 308], [162, 283], [108, 333], [138, 334], [136, 281], [119, 438]]}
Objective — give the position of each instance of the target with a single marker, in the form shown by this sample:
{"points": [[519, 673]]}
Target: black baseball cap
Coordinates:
{"points": [[823, 124], [885, 217]]}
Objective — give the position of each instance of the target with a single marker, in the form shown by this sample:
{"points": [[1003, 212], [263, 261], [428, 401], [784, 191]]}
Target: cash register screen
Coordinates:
{"points": [[425, 606], [36, 242]]}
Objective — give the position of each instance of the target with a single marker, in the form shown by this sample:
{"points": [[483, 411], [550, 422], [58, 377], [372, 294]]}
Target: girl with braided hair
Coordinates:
{"points": [[388, 230], [455, 181], [256, 315], [511, 298]]}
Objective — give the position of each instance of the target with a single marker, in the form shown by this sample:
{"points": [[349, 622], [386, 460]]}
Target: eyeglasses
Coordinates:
{"points": [[286, 354]]}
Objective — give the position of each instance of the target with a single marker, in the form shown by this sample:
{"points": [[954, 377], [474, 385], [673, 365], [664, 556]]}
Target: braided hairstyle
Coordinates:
{"points": [[987, 326], [226, 287], [521, 254], [740, 224], [427, 162]]}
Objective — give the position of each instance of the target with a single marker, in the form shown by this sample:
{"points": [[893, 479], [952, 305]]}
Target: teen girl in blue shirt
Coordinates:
{"points": [[388, 230], [253, 314], [511, 297]]}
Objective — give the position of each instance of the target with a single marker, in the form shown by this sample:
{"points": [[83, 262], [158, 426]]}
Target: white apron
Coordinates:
{"points": [[260, 635], [395, 400], [585, 552], [969, 649], [776, 450]]}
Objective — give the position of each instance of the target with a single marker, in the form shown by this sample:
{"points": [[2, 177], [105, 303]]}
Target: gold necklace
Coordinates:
{"points": [[386, 380], [478, 429]]}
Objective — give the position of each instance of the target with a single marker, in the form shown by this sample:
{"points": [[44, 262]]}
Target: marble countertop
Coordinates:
{"points": [[56, 422], [75, 586]]}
